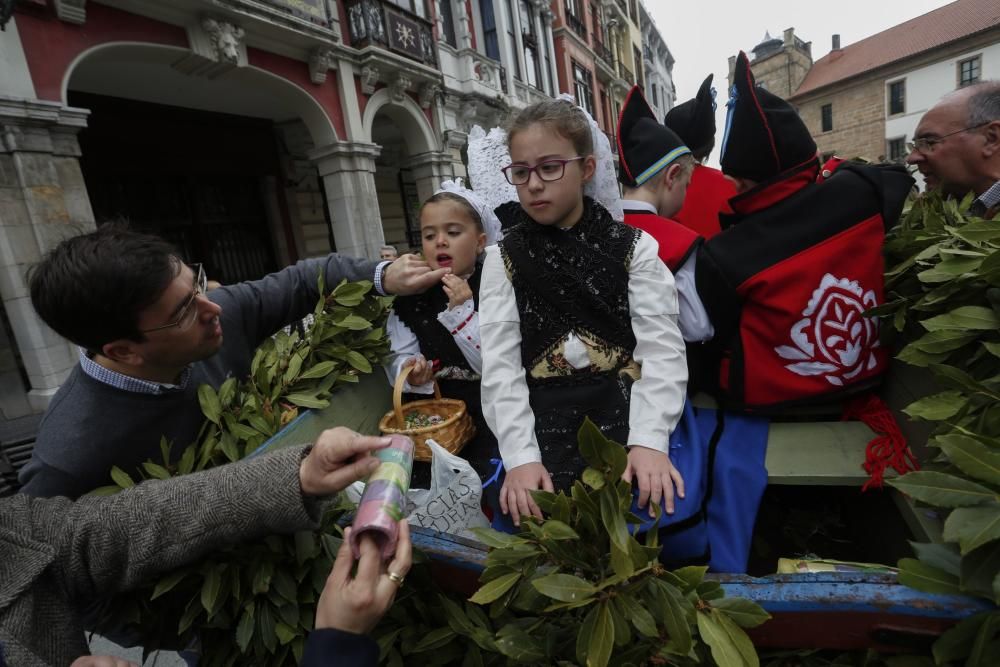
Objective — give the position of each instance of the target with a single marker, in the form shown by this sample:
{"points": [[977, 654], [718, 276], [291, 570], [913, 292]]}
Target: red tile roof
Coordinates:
{"points": [[934, 29]]}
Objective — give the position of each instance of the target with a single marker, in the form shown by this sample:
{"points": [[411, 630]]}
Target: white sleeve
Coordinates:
{"points": [[462, 322], [658, 397], [694, 322], [403, 346], [505, 391]]}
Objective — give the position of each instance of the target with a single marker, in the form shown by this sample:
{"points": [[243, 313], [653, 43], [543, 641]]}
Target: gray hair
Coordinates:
{"points": [[388, 247], [984, 103]]}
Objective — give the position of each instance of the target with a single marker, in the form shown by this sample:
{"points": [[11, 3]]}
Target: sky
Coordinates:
{"points": [[702, 34]]}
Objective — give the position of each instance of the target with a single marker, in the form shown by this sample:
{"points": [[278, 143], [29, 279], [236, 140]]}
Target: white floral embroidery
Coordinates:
{"points": [[834, 339]]}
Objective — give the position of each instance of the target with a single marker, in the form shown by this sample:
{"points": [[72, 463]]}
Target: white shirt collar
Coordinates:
{"points": [[635, 204]]}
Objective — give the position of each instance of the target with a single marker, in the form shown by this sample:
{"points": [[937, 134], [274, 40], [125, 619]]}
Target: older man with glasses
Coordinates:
{"points": [[149, 335], [956, 146]]}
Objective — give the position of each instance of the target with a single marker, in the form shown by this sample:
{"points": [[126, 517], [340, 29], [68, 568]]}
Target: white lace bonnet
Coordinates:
{"points": [[488, 154], [491, 224]]}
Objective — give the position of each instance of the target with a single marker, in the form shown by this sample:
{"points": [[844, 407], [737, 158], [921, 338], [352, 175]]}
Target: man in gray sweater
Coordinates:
{"points": [[57, 556], [149, 336]]}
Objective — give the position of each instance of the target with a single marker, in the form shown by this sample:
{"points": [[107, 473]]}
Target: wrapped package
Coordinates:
{"points": [[384, 499]]}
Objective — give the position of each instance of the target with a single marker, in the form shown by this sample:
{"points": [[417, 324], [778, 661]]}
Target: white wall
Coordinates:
{"points": [[926, 85]]}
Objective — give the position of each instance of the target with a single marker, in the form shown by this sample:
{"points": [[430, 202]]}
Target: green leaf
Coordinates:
{"points": [[307, 401], [210, 589], [519, 645], [938, 342], [611, 515], [320, 370], [242, 431], [985, 650], [244, 631], [354, 323], [725, 653], [285, 586], [972, 457], [496, 539], [640, 617], [956, 643], [109, 490], [977, 232], [692, 575], [973, 527], [554, 529], [992, 348], [434, 639], [942, 556], [564, 587], [593, 478], [284, 633], [739, 639], [210, 405], [167, 584], [358, 361], [621, 562], [155, 471], [494, 589], [980, 569], [262, 576], [266, 626], [745, 613], [602, 638], [938, 406], [925, 578], [942, 490], [590, 438], [121, 478], [186, 464], [675, 619], [966, 318]]}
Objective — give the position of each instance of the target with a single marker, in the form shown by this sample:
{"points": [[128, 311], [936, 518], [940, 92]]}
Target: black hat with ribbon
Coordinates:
{"points": [[694, 120], [764, 135], [645, 146]]}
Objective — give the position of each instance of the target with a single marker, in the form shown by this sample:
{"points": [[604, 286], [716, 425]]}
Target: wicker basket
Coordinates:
{"points": [[452, 433]]}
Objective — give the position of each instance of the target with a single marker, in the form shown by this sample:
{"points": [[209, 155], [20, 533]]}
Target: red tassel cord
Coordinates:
{"points": [[889, 447]]}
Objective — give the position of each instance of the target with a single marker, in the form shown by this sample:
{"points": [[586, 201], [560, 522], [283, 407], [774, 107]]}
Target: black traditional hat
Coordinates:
{"points": [[645, 146], [694, 120], [764, 135]]}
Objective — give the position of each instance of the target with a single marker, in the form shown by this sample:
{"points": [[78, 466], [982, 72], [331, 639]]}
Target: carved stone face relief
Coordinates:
{"points": [[226, 39]]}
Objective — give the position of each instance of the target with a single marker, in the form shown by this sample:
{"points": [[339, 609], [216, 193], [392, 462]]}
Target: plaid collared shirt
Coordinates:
{"points": [[990, 198], [126, 382]]}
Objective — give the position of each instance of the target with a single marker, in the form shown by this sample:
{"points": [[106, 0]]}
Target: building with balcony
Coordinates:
{"points": [[250, 133], [658, 66]]}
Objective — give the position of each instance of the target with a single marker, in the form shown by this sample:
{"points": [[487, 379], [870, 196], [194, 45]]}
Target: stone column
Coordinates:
{"points": [[43, 200], [429, 169], [348, 173], [546, 16]]}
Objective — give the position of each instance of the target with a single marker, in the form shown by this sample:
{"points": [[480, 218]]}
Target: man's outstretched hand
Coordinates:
{"points": [[339, 458], [411, 275]]}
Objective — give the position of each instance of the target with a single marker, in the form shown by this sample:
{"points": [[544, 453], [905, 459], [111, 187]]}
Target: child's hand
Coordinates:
{"points": [[422, 372], [515, 498], [457, 289], [656, 475]]}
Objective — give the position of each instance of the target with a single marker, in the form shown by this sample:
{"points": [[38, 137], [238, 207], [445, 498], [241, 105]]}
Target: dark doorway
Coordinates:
{"points": [[195, 178]]}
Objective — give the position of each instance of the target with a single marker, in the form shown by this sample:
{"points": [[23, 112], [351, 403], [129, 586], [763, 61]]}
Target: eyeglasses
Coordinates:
{"points": [[548, 171], [926, 145], [189, 313]]}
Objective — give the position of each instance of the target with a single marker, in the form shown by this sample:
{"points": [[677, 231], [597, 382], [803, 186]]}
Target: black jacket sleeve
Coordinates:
{"points": [[335, 648]]}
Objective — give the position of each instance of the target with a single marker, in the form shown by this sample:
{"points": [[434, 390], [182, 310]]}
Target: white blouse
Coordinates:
{"points": [[657, 397], [462, 322]]}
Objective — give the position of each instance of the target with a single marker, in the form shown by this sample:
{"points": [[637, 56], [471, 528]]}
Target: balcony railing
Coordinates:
{"points": [[311, 10], [381, 23], [577, 26], [625, 73], [604, 53]]}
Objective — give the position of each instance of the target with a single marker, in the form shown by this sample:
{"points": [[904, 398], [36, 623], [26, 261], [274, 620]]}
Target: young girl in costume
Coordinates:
{"points": [[578, 318], [437, 332]]}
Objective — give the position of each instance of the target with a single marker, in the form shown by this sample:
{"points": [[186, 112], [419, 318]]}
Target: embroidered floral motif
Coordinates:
{"points": [[834, 339]]}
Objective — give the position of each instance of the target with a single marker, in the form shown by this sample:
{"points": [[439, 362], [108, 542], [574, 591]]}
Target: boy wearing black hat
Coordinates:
{"points": [[655, 167], [709, 192], [788, 284]]}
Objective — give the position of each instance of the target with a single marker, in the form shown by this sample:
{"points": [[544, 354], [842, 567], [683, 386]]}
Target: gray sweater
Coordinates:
{"points": [[90, 426], [57, 556]]}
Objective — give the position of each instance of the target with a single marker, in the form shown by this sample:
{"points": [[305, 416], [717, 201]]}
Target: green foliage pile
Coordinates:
{"points": [[577, 588], [255, 603], [943, 300]]}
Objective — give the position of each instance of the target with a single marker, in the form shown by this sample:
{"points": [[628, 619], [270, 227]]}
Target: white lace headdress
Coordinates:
{"points": [[488, 154], [491, 224]]}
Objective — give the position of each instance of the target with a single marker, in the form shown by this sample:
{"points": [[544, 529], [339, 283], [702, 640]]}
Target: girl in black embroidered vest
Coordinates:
{"points": [[578, 319], [439, 329]]}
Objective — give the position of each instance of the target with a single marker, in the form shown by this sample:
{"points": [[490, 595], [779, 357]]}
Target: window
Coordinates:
{"points": [[897, 97], [573, 8], [826, 111], [491, 42], [510, 36], [897, 149], [418, 7], [448, 23], [969, 71], [583, 87], [532, 75], [637, 59]]}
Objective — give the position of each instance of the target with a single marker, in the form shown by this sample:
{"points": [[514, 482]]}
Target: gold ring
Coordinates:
{"points": [[398, 579]]}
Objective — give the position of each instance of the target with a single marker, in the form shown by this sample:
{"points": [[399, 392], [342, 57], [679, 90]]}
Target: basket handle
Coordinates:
{"points": [[397, 395]]}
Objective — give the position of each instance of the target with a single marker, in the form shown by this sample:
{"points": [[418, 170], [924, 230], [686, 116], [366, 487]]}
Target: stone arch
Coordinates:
{"points": [[407, 114], [146, 72]]}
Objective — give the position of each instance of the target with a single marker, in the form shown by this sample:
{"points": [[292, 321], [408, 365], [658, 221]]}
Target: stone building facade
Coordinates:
{"points": [[658, 66]]}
